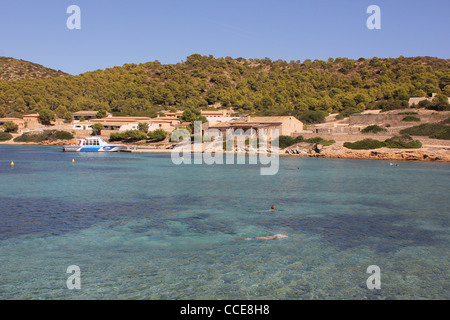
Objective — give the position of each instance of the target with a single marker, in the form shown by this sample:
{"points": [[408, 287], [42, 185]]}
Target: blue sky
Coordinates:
{"points": [[117, 32]]}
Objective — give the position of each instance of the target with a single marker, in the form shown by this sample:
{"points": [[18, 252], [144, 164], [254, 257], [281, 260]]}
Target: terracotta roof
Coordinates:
{"points": [[122, 119], [87, 112], [265, 119], [244, 124], [113, 123]]}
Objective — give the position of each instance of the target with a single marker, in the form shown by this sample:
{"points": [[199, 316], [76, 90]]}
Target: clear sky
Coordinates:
{"points": [[117, 32]]}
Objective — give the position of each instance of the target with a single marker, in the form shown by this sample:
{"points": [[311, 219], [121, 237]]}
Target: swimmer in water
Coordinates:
{"points": [[272, 209], [276, 236]]}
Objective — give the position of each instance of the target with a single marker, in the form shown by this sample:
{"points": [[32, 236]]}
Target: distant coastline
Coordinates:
{"points": [[429, 154]]}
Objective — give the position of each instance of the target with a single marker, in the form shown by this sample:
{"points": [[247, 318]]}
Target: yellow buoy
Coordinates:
{"points": [[12, 163], [73, 160]]}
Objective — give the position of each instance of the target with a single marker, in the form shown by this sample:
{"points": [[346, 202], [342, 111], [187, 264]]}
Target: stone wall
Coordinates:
{"points": [[389, 118]]}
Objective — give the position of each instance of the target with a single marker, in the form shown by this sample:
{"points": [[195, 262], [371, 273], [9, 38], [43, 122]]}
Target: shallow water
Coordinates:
{"points": [[140, 227]]}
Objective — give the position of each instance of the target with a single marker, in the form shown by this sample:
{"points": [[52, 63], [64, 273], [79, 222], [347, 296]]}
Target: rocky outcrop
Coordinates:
{"points": [[388, 154], [338, 151], [302, 148]]}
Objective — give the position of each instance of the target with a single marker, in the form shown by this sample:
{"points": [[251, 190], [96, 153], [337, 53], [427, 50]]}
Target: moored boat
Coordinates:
{"points": [[94, 144]]}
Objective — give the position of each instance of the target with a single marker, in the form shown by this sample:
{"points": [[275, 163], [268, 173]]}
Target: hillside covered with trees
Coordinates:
{"points": [[13, 69], [253, 86]]}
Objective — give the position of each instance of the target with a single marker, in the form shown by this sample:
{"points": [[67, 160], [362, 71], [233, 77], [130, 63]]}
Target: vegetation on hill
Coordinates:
{"points": [[373, 129], [47, 135], [312, 117], [5, 136], [129, 136], [411, 119], [287, 141], [253, 86], [140, 134], [432, 130], [438, 103], [365, 144], [13, 69], [397, 142], [402, 142], [157, 135], [9, 126]]}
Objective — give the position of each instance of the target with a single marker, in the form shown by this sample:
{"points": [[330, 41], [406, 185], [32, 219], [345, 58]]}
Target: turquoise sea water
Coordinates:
{"points": [[140, 227]]}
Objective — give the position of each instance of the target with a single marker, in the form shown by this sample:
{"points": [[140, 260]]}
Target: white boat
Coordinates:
{"points": [[95, 144]]}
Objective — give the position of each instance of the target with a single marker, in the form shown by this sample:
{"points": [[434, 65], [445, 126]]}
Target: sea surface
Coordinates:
{"points": [[140, 227]]}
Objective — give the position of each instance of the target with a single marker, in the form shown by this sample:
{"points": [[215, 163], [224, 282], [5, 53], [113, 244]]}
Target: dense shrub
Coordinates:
{"points": [[402, 142], [399, 142], [46, 116], [441, 134], [63, 135], [157, 135], [387, 105], [446, 121], [97, 129], [364, 144], [116, 137], [311, 117], [320, 140], [47, 135], [130, 135], [101, 114], [426, 129], [373, 129], [10, 126], [411, 119], [409, 113], [4, 136], [286, 141]]}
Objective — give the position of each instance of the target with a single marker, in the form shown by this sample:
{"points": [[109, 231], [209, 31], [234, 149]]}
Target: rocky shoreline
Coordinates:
{"points": [[308, 150], [340, 152]]}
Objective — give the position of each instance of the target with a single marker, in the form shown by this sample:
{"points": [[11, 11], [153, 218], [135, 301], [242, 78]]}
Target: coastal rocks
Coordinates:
{"points": [[390, 154], [318, 148], [302, 148], [338, 151]]}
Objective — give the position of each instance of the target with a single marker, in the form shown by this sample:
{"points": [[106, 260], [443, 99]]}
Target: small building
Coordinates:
{"points": [[31, 121], [87, 115], [130, 123], [287, 125], [82, 125]]}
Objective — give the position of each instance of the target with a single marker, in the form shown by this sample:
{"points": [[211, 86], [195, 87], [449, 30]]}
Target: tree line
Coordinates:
{"points": [[250, 86]]}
